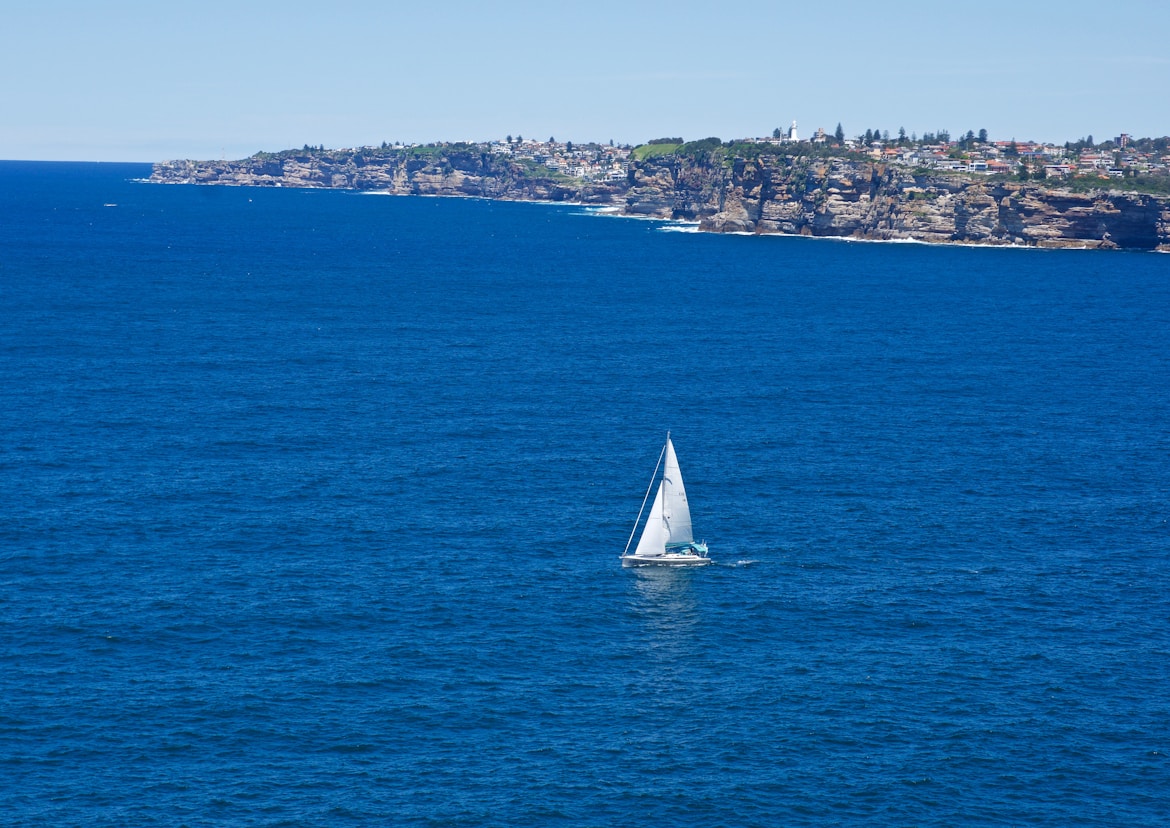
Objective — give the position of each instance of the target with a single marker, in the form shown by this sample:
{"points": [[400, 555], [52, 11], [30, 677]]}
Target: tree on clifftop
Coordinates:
{"points": [[839, 134]]}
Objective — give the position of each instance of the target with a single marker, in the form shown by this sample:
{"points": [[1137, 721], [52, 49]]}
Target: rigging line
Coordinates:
{"points": [[661, 454]]}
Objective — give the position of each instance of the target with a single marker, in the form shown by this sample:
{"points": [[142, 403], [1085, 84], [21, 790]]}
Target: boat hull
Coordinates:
{"points": [[669, 559]]}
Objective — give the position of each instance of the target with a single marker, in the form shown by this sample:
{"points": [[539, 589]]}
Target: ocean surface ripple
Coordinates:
{"points": [[312, 508]]}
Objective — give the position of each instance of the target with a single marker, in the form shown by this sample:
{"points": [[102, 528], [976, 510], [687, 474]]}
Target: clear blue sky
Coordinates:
{"points": [[144, 81]]}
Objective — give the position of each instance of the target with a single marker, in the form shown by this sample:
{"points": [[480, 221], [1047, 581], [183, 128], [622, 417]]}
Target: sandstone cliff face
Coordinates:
{"points": [[836, 197], [771, 194], [674, 188]]}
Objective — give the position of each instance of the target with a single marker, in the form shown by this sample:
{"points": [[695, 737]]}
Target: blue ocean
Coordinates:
{"points": [[312, 503]]}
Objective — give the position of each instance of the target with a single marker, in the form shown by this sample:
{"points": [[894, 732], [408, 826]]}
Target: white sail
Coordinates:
{"points": [[667, 539], [653, 540], [675, 511]]}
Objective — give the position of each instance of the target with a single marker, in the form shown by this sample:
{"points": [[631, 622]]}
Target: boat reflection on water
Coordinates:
{"points": [[664, 598]]}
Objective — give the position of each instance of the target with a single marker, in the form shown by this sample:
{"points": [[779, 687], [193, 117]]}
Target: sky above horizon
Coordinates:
{"points": [[137, 81]]}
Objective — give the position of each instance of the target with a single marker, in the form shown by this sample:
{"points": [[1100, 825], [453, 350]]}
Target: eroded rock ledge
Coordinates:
{"points": [[772, 194]]}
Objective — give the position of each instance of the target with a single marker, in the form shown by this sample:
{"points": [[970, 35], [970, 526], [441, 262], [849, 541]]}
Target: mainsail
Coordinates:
{"points": [[676, 514]]}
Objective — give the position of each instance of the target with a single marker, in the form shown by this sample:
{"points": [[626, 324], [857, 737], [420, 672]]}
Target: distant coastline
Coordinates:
{"points": [[786, 189]]}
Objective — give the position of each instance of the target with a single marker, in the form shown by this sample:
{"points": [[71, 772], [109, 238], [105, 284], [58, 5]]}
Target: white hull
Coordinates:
{"points": [[669, 559]]}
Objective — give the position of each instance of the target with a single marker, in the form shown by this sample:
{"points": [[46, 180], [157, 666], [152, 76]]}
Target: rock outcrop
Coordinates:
{"points": [[796, 195]]}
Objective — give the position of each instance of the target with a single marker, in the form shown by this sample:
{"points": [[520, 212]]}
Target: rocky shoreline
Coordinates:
{"points": [[779, 194]]}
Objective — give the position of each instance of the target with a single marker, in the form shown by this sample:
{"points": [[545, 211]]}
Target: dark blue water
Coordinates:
{"points": [[311, 506]]}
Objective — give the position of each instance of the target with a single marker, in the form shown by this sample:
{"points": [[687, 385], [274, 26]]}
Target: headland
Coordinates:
{"points": [[912, 193]]}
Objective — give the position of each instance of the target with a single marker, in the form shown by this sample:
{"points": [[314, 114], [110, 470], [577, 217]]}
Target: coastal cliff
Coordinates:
{"points": [[785, 194], [833, 197], [449, 173]]}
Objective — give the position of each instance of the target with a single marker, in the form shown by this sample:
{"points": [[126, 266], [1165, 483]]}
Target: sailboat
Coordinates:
{"points": [[667, 539]]}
